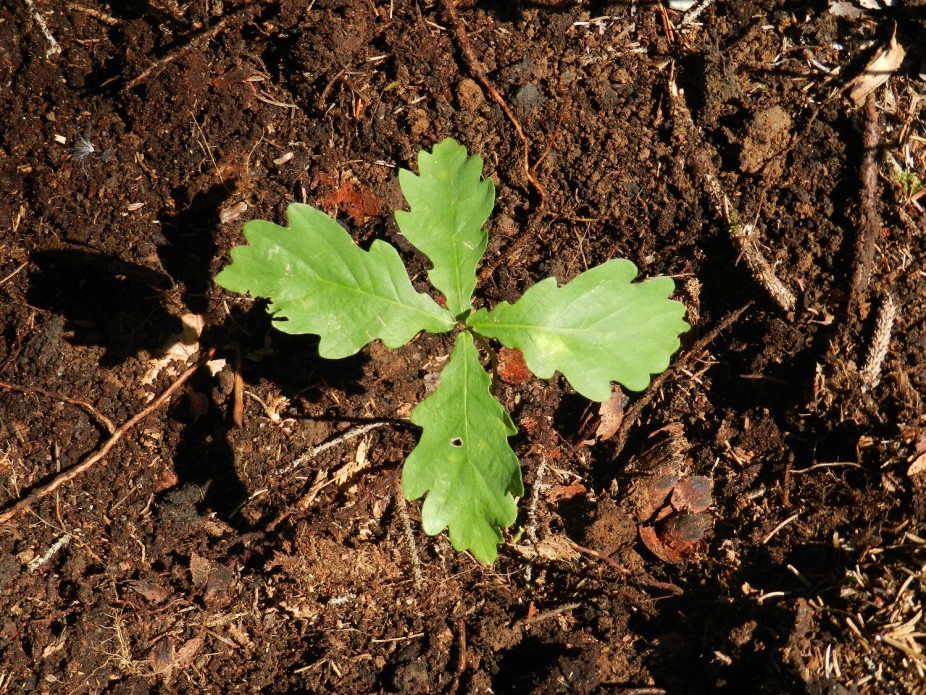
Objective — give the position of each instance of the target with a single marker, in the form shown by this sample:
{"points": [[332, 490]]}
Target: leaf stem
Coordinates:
{"points": [[493, 358]]}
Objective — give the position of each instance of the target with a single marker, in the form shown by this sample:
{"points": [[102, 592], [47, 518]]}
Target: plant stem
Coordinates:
{"points": [[493, 359]]}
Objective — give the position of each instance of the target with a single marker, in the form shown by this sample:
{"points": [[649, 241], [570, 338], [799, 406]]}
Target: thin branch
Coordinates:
{"points": [[478, 71], [71, 473], [869, 219], [632, 414], [207, 35], [102, 419]]}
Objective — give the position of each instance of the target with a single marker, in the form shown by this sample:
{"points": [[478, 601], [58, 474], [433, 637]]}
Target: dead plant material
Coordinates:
{"points": [[511, 366], [869, 219], [461, 656], [884, 64], [343, 192], [402, 508], [632, 414], [96, 414], [478, 71], [71, 473], [670, 506], [880, 343], [701, 164], [761, 269], [244, 15]]}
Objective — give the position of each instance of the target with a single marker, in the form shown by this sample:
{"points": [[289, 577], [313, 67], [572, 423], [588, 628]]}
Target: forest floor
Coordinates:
{"points": [[247, 534]]}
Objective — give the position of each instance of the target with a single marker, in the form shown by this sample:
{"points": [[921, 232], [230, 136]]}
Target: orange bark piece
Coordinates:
{"points": [[511, 366]]}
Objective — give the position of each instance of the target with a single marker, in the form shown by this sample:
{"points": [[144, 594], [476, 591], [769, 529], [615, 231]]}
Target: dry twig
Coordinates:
{"points": [[74, 471], [869, 219], [742, 234], [102, 419], [632, 414], [244, 14], [478, 71]]}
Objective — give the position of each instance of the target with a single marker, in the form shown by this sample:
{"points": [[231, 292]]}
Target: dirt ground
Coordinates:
{"points": [[275, 555]]}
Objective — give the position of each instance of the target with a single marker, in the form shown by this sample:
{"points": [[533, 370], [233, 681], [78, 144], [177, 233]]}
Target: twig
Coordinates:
{"points": [[869, 219], [74, 471], [599, 556], [347, 436], [53, 47], [527, 232], [461, 656], [105, 421], [761, 269], [96, 14], [632, 414], [639, 579], [880, 343], [704, 170], [207, 35], [546, 615], [409, 536], [13, 274], [475, 67]]}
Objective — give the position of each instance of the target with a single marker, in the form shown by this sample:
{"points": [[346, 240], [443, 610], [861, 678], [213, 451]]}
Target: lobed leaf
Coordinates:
{"points": [[463, 461], [448, 204], [319, 281], [598, 328]]}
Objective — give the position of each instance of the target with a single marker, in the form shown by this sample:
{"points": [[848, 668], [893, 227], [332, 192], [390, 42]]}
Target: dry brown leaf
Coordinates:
{"points": [[344, 192], [511, 366], [554, 548], [561, 492], [693, 494], [878, 71], [917, 467], [611, 413], [199, 569]]}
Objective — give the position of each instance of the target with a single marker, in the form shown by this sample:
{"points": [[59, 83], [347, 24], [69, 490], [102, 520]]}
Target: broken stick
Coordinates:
{"points": [[74, 471]]}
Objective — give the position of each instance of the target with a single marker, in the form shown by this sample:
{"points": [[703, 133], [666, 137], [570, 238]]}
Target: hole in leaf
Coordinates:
{"points": [[456, 442]]}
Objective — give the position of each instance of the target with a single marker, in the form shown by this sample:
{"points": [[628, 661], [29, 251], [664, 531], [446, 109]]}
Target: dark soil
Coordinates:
{"points": [[196, 557]]}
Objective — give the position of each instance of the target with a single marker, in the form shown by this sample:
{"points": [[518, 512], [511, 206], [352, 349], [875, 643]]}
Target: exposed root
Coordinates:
{"points": [[71, 473], [102, 419]]}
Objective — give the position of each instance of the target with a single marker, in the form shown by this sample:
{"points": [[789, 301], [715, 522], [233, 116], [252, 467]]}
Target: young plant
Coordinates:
{"points": [[598, 328]]}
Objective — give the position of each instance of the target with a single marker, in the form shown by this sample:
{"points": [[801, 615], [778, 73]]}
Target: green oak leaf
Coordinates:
{"points": [[463, 461], [448, 204], [319, 281], [598, 328]]}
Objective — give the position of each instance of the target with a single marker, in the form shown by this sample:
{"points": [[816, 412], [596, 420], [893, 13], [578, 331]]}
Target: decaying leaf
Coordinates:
{"points": [[693, 494], [878, 71], [345, 193], [611, 413], [511, 367], [556, 548]]}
